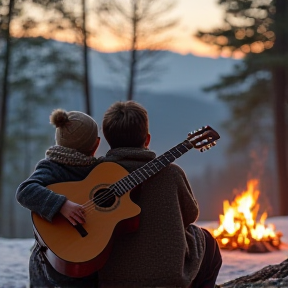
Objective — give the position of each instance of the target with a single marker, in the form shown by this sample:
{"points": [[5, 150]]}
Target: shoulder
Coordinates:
{"points": [[50, 171], [177, 170], [47, 165], [171, 175]]}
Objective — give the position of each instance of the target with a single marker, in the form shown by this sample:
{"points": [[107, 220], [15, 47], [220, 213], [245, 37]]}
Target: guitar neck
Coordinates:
{"points": [[141, 174]]}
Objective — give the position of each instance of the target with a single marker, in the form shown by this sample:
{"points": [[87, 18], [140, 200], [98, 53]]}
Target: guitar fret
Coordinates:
{"points": [[120, 187], [125, 184], [142, 174], [164, 164], [178, 152], [174, 153], [151, 167], [116, 190], [156, 167], [146, 171], [171, 154], [128, 184], [135, 174], [134, 181], [139, 175], [185, 147], [168, 157]]}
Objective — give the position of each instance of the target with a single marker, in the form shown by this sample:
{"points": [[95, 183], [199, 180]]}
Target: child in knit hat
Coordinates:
{"points": [[71, 159]]}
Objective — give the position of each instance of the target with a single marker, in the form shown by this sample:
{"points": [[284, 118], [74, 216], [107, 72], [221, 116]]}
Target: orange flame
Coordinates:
{"points": [[238, 226]]}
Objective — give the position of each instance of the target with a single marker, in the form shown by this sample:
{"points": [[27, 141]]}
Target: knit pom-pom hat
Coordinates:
{"points": [[75, 130]]}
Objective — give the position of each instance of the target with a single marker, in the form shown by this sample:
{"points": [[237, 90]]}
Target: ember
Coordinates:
{"points": [[238, 227]]}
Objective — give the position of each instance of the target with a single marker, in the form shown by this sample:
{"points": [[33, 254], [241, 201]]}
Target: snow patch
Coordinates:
{"points": [[14, 255]]}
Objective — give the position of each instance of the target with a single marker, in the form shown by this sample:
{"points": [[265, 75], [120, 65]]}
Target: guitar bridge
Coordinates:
{"points": [[81, 230]]}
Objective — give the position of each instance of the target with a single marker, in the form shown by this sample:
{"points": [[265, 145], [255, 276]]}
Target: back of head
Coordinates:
{"points": [[125, 124], [75, 130]]}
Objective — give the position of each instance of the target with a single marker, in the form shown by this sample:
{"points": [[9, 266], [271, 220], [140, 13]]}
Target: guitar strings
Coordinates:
{"points": [[89, 205], [101, 199], [92, 202], [98, 201]]}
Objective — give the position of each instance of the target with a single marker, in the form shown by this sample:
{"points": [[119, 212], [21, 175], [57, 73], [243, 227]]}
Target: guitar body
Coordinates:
{"points": [[82, 251]]}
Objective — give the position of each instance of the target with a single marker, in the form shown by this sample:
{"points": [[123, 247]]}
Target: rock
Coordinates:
{"points": [[271, 276]]}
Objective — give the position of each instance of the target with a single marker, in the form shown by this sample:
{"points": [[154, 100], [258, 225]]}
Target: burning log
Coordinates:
{"points": [[264, 246], [238, 227]]}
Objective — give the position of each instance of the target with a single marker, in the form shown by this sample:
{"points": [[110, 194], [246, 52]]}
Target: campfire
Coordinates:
{"points": [[239, 228]]}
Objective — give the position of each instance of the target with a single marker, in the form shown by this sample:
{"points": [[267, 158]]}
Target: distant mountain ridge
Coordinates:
{"points": [[181, 73]]}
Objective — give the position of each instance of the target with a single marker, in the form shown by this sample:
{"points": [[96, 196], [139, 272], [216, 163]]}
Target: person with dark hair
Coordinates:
{"points": [[71, 159], [168, 249]]}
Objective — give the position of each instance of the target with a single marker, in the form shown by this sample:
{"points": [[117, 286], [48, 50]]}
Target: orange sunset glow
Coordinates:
{"points": [[194, 15]]}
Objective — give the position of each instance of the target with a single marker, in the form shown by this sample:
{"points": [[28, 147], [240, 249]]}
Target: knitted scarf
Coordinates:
{"points": [[68, 156]]}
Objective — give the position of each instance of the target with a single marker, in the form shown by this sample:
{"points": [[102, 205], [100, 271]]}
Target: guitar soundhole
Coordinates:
{"points": [[104, 198]]}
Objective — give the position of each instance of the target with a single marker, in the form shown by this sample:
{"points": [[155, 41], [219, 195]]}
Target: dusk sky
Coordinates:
{"points": [[197, 15], [193, 15]]}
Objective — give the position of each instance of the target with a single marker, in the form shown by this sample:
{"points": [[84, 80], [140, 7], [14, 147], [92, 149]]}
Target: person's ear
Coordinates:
{"points": [[96, 145], [147, 141]]}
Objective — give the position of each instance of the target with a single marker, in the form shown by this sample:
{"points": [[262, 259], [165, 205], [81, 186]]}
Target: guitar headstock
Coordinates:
{"points": [[204, 138]]}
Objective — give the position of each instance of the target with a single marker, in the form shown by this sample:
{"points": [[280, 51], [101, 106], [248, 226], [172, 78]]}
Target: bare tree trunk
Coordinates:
{"points": [[133, 60], [280, 100], [4, 104], [85, 55]]}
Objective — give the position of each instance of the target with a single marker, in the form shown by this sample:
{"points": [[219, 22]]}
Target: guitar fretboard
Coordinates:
{"points": [[149, 169]]}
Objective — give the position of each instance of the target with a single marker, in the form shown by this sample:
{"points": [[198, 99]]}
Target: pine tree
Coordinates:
{"points": [[256, 92]]}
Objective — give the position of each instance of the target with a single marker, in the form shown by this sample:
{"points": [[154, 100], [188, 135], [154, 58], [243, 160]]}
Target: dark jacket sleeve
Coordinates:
{"points": [[187, 201], [34, 195]]}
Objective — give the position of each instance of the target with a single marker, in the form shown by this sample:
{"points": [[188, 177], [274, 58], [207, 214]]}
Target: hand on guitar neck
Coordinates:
{"points": [[73, 212]]}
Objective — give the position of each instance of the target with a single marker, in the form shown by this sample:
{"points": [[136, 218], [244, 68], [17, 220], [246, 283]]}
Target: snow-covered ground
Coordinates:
{"points": [[14, 256]]}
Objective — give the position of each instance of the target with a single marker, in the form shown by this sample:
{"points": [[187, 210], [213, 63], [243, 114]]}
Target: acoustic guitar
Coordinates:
{"points": [[80, 250]]}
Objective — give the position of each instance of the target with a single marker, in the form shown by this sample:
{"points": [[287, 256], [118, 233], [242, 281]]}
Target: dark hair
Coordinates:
{"points": [[125, 124]]}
